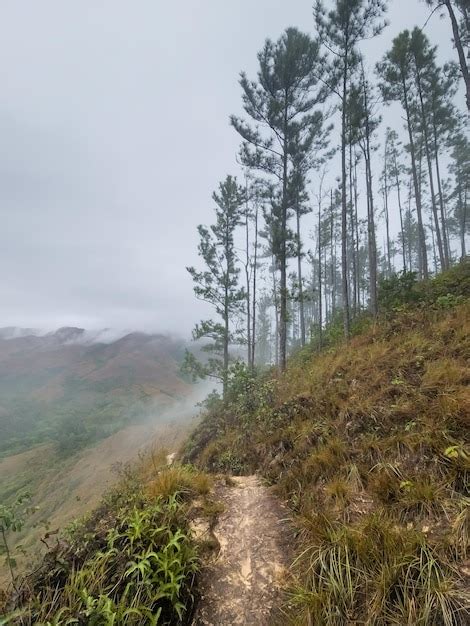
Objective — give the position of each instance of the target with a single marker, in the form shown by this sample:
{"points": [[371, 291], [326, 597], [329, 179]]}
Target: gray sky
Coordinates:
{"points": [[113, 134]]}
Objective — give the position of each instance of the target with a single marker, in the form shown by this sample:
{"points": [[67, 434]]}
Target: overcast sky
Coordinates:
{"points": [[113, 134]]}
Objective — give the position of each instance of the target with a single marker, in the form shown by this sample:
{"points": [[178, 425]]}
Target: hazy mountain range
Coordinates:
{"points": [[76, 386]]}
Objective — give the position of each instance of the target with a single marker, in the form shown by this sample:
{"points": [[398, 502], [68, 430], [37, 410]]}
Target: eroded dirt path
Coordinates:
{"points": [[242, 586]]}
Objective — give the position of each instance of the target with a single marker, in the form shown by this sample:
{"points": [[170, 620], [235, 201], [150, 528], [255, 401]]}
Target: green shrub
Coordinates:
{"points": [[132, 562]]}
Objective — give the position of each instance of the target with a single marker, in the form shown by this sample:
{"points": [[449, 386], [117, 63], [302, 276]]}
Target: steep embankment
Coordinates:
{"points": [[368, 442]]}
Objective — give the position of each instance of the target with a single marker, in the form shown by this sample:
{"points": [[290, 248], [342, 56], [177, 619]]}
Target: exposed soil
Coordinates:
{"points": [[243, 583]]}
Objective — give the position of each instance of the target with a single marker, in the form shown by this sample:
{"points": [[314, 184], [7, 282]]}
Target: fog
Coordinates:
{"points": [[114, 132]]}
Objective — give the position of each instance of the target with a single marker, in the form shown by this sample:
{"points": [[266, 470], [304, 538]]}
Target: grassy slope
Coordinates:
{"points": [[369, 443]]}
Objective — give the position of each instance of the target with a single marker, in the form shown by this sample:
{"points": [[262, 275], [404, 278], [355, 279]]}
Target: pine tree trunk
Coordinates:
{"points": [[463, 220], [356, 223], [371, 241], [401, 215], [430, 173], [422, 252], [433, 241], [247, 275], [344, 207], [372, 244], [276, 312], [353, 244], [408, 239], [320, 321], [255, 267], [458, 44], [387, 221], [332, 259], [226, 342], [301, 291], [441, 200], [283, 259]]}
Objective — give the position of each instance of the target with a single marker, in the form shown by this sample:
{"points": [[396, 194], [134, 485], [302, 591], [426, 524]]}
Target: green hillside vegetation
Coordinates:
{"points": [[131, 561], [75, 395], [368, 443]]}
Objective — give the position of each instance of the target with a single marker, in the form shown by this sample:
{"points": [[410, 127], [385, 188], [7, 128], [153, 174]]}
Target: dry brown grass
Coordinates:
{"points": [[369, 444]]}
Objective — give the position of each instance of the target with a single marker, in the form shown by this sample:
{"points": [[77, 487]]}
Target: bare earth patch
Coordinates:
{"points": [[243, 584]]}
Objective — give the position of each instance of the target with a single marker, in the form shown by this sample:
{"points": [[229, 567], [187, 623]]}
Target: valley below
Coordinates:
{"points": [[74, 412]]}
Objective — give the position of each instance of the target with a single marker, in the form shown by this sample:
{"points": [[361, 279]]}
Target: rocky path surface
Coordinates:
{"points": [[242, 585]]}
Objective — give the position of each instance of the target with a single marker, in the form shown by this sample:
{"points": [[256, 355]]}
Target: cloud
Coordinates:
{"points": [[114, 132]]}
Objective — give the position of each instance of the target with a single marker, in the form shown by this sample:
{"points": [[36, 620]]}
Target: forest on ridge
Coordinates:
{"points": [[328, 202]]}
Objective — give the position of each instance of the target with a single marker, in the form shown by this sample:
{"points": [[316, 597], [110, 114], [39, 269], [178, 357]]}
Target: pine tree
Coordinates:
{"points": [[386, 183], [363, 126], [460, 168], [395, 72], [424, 68], [341, 29], [218, 284], [461, 34], [263, 331], [282, 104], [442, 90], [396, 170]]}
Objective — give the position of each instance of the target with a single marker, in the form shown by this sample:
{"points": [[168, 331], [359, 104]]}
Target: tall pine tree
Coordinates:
{"points": [[285, 124], [218, 284]]}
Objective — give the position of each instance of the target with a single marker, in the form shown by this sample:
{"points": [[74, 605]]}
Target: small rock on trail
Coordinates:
{"points": [[242, 585]]}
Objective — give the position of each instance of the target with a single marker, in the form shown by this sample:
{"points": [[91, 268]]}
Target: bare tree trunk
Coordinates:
{"points": [[441, 200], [410, 258], [353, 244], [226, 342], [431, 177], [283, 259], [248, 280], [422, 252], [325, 265], [276, 312], [301, 290], [372, 243], [332, 259], [344, 206], [356, 223], [463, 220], [401, 218], [458, 44], [254, 303], [387, 221], [433, 241], [320, 321]]}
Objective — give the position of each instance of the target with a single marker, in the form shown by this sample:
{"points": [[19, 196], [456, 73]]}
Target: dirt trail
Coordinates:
{"points": [[242, 586]]}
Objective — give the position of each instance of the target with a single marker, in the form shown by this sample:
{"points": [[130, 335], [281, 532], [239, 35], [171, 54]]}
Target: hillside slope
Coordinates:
{"points": [[73, 408], [70, 386], [368, 442]]}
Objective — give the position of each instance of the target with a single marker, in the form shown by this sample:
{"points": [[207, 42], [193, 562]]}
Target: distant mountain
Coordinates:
{"points": [[74, 386]]}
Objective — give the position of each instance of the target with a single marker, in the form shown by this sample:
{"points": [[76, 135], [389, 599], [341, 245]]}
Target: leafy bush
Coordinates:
{"points": [[397, 291], [445, 291], [132, 562]]}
